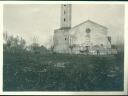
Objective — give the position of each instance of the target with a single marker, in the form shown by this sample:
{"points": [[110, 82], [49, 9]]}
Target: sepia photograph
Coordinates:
{"points": [[63, 47]]}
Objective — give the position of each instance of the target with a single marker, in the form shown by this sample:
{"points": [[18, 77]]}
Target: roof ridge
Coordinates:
{"points": [[91, 22]]}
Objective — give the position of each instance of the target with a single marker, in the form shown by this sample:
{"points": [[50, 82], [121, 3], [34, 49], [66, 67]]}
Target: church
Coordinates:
{"points": [[87, 37]]}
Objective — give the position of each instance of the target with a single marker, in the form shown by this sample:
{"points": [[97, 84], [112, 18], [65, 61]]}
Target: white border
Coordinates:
{"points": [[1, 47], [125, 92]]}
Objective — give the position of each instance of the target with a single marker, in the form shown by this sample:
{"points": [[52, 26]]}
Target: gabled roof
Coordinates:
{"points": [[90, 22]]}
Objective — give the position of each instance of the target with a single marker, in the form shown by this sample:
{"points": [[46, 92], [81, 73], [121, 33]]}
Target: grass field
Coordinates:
{"points": [[27, 71]]}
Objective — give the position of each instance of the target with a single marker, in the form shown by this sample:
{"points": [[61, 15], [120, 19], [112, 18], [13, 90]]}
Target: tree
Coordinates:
{"points": [[13, 44]]}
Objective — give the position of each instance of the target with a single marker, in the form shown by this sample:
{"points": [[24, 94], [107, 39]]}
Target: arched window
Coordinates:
{"points": [[65, 38], [64, 19], [64, 12]]}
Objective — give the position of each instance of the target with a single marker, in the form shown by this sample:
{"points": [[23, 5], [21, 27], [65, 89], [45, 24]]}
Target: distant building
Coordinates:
{"points": [[86, 38]]}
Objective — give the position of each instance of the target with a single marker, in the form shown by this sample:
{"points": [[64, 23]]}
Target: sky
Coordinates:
{"points": [[40, 20]]}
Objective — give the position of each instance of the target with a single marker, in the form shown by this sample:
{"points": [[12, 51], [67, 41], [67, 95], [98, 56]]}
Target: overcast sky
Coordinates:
{"points": [[29, 21]]}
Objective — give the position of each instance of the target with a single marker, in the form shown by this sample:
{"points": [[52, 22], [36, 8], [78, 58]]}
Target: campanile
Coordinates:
{"points": [[65, 16]]}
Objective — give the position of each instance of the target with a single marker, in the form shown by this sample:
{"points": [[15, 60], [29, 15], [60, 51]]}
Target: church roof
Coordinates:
{"points": [[92, 23]]}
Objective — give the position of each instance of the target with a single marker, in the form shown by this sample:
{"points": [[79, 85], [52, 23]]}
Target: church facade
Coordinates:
{"points": [[85, 38]]}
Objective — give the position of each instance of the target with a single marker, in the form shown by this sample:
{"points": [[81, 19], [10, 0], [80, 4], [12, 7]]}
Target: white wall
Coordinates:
{"points": [[98, 34], [61, 42]]}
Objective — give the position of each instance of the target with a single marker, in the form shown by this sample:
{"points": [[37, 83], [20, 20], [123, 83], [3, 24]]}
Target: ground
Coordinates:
{"points": [[27, 71]]}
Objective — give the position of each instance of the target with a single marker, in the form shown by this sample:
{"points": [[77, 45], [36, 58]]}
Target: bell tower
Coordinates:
{"points": [[65, 16], [61, 35]]}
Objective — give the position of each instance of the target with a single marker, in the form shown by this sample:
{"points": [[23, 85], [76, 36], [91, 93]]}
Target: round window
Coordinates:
{"points": [[88, 30]]}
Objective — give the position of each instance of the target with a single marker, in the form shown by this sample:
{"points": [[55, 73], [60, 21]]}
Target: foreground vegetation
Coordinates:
{"points": [[27, 71], [32, 70]]}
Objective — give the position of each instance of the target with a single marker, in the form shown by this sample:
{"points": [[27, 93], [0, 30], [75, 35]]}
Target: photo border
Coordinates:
{"points": [[125, 92]]}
